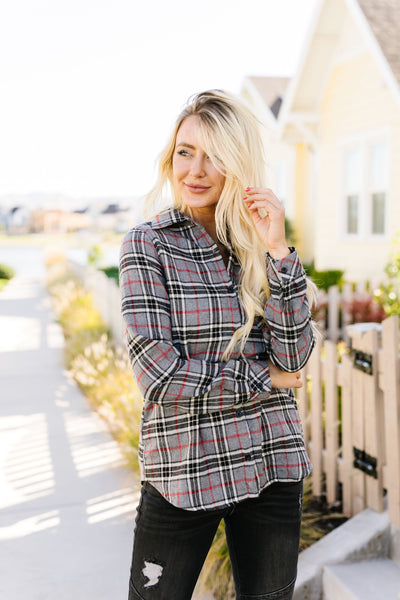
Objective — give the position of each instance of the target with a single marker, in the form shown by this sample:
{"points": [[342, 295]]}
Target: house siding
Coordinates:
{"points": [[356, 102]]}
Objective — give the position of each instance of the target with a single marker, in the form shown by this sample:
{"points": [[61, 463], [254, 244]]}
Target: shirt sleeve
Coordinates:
{"points": [[289, 326], [163, 375]]}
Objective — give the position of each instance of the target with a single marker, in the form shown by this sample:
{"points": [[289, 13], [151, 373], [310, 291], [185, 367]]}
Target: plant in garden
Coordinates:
{"points": [[101, 369], [324, 279], [388, 294], [112, 272], [6, 273], [95, 256], [363, 309], [103, 373]]}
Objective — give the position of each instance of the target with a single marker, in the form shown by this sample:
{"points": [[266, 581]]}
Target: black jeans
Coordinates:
{"points": [[171, 544]]}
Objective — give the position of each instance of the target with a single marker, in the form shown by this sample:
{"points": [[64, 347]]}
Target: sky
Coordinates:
{"points": [[90, 89]]}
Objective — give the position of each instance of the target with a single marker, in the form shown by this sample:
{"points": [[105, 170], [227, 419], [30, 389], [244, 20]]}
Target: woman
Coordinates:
{"points": [[216, 311]]}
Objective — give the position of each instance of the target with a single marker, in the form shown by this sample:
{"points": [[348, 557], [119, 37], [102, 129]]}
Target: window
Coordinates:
{"points": [[353, 189], [366, 188], [378, 187]]}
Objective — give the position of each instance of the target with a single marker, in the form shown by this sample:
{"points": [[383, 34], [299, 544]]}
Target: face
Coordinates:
{"points": [[195, 178]]}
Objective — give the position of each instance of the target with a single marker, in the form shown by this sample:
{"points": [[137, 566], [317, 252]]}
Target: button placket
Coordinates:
{"points": [[245, 435]]}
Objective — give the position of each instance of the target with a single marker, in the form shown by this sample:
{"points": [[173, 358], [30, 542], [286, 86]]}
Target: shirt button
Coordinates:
{"points": [[248, 456], [231, 288], [284, 269], [239, 413]]}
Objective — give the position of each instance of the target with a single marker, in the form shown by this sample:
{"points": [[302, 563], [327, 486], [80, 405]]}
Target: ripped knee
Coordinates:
{"points": [[150, 576], [152, 571]]}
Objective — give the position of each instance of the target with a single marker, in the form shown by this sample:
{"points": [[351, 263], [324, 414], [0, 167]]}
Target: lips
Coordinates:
{"points": [[197, 189]]}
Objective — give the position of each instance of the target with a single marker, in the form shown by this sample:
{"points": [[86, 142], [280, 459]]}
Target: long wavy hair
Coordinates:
{"points": [[230, 136]]}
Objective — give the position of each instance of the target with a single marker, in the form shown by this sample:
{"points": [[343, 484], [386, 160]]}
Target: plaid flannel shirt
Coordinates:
{"points": [[212, 433]]}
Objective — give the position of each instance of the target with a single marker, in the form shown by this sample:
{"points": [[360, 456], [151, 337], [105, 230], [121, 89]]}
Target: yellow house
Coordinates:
{"points": [[337, 136]]}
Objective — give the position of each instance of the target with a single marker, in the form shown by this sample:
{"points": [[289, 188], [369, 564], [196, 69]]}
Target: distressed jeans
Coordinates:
{"points": [[171, 544]]}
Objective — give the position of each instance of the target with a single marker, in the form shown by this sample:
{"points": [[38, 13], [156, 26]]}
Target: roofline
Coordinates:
{"points": [[356, 11], [294, 82], [377, 51], [261, 102]]}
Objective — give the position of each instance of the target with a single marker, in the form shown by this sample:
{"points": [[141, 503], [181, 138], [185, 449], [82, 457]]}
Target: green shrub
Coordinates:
{"points": [[95, 255], [6, 272], [112, 273], [388, 294], [324, 279]]}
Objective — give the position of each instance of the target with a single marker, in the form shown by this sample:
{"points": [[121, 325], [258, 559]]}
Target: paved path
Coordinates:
{"points": [[66, 501]]}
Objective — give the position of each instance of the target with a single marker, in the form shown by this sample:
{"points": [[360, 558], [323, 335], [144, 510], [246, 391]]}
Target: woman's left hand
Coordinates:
{"points": [[271, 227], [281, 379]]}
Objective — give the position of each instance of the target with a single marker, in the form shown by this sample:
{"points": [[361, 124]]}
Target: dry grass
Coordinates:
{"points": [[101, 369]]}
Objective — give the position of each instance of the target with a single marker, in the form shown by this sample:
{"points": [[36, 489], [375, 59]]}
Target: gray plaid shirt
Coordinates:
{"points": [[212, 433]]}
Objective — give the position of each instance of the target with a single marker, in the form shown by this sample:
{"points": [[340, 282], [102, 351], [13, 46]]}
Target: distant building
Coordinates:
{"points": [[50, 221], [17, 220]]}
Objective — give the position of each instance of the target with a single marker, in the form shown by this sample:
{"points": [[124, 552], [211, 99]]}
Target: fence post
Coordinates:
{"points": [[391, 390], [331, 422], [347, 297], [316, 418], [374, 418], [333, 313], [347, 442]]}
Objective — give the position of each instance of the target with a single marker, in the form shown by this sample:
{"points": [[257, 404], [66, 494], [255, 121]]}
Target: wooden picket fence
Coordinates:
{"points": [[336, 307], [350, 410]]}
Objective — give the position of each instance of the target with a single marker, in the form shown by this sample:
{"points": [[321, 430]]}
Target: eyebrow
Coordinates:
{"points": [[186, 145]]}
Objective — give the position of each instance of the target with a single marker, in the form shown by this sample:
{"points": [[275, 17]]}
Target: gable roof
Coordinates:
{"points": [[271, 90], [377, 21], [383, 17]]}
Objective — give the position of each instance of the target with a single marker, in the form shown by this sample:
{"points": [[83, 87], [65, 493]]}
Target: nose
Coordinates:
{"points": [[197, 166]]}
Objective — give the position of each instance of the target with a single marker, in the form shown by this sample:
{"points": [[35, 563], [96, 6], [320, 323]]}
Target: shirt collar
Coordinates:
{"points": [[171, 216]]}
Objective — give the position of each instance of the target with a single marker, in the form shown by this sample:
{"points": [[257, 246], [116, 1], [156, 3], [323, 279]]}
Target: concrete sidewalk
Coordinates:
{"points": [[66, 501]]}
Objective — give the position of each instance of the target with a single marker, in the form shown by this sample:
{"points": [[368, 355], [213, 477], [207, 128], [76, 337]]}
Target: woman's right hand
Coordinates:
{"points": [[280, 379]]}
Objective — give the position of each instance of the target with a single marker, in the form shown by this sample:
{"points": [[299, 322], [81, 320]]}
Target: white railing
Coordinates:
{"points": [[106, 297]]}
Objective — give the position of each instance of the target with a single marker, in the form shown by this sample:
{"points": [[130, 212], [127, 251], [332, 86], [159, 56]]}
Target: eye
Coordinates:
{"points": [[183, 153]]}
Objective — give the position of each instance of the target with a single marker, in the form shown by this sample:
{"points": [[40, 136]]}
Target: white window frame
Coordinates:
{"points": [[364, 142]]}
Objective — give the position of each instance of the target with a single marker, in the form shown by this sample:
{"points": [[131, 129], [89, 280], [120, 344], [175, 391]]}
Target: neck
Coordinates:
{"points": [[206, 218]]}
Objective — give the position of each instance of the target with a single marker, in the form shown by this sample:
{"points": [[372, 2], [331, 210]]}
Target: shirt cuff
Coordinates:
{"points": [[282, 271]]}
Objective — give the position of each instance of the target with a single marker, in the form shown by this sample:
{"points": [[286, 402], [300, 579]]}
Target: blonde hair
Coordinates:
{"points": [[230, 136]]}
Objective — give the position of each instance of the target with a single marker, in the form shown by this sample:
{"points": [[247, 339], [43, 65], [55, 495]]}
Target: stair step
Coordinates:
{"points": [[368, 580]]}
